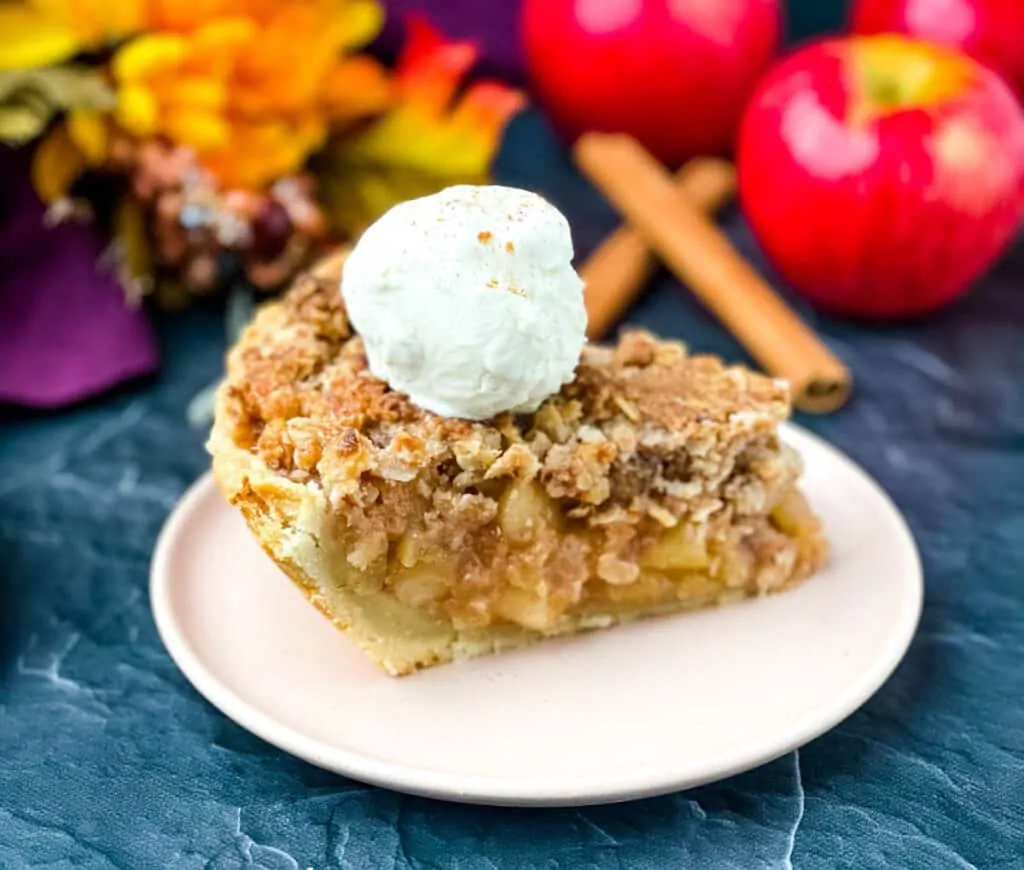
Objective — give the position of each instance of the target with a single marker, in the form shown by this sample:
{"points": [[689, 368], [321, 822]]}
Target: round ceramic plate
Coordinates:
{"points": [[642, 709]]}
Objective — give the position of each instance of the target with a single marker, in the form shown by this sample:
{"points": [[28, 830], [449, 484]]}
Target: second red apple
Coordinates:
{"points": [[882, 175]]}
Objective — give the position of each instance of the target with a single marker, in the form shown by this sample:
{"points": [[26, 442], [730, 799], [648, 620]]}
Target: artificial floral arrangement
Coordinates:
{"points": [[231, 140]]}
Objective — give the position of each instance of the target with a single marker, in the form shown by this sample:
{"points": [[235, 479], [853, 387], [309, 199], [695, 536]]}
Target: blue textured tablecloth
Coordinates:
{"points": [[109, 759]]}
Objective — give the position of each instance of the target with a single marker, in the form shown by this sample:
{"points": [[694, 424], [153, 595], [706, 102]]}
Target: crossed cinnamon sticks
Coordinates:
{"points": [[667, 215]]}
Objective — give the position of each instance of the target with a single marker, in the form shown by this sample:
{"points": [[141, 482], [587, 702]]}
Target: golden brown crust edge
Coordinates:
{"points": [[285, 519]]}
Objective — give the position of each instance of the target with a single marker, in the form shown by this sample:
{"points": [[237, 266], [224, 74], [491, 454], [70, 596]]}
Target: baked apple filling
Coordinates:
{"points": [[532, 565]]}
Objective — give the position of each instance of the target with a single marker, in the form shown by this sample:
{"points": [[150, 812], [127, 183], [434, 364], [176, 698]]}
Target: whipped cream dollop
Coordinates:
{"points": [[467, 300]]}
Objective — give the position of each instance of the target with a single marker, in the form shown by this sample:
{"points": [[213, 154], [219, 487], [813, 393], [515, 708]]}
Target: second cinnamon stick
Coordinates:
{"points": [[699, 254], [616, 271]]}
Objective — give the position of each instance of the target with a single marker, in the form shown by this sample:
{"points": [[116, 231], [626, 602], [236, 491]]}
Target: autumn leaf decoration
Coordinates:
{"points": [[439, 132]]}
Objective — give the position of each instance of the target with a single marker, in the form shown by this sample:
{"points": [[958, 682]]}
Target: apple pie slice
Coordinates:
{"points": [[654, 482]]}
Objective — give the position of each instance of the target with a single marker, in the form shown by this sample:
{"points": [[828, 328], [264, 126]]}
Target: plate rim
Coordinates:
{"points": [[497, 790]]}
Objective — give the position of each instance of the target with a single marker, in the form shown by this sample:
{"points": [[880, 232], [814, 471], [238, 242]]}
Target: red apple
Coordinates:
{"points": [[673, 73], [990, 30], [880, 174]]}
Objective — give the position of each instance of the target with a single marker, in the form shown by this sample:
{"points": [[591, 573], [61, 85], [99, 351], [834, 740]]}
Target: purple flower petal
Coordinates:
{"points": [[66, 332]]}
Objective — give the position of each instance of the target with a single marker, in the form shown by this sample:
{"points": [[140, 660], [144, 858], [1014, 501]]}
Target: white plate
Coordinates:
{"points": [[638, 710]]}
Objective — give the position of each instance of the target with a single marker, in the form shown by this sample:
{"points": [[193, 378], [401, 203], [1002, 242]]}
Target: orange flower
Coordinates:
{"points": [[37, 33], [252, 87]]}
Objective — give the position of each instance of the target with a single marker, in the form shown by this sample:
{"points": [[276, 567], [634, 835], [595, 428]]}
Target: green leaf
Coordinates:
{"points": [[21, 122], [63, 87], [33, 100], [30, 98]]}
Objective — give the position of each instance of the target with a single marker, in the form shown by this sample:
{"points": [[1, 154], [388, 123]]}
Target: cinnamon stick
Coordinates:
{"points": [[614, 274], [702, 257]]}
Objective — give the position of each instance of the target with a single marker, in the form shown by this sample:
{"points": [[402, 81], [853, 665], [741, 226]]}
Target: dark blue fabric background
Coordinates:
{"points": [[109, 759]]}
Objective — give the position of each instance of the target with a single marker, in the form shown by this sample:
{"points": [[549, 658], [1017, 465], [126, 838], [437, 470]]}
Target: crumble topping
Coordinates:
{"points": [[299, 394]]}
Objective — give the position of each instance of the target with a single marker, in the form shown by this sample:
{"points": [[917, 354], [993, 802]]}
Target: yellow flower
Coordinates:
{"points": [[167, 83], [88, 130], [42, 32], [67, 150], [253, 87]]}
